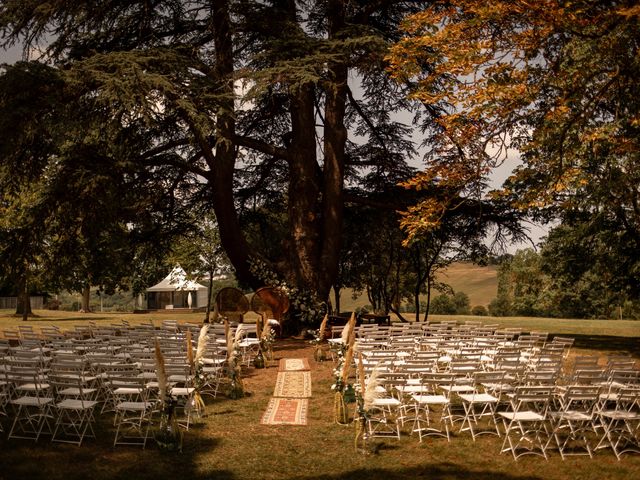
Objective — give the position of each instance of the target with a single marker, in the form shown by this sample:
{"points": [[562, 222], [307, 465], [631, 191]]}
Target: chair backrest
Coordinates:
{"points": [[434, 381], [536, 398], [580, 397], [65, 385], [542, 378], [588, 376]]}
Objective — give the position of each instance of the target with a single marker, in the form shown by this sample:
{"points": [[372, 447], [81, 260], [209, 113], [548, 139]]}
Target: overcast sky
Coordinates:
{"points": [[10, 56]]}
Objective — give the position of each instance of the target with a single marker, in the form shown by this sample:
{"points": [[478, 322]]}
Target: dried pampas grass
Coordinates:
{"points": [[240, 333], [371, 391], [349, 329], [323, 327], [259, 326], [161, 372], [203, 338], [346, 367]]}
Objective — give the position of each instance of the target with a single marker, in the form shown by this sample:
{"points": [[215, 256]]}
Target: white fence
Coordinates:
{"points": [[10, 303]]}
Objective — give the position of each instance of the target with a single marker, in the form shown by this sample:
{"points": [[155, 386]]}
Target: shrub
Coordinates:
{"points": [[500, 307], [53, 304], [480, 310], [442, 305]]}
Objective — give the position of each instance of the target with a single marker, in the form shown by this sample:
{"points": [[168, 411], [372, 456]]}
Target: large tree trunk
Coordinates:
{"points": [[335, 138], [86, 297], [23, 303], [426, 310], [304, 190], [336, 297], [315, 197], [222, 165]]}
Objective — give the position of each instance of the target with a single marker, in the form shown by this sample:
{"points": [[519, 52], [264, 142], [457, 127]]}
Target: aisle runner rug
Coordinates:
{"points": [[293, 385], [286, 411], [293, 364]]}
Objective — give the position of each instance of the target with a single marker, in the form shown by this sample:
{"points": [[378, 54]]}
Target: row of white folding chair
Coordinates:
{"points": [[543, 418]]}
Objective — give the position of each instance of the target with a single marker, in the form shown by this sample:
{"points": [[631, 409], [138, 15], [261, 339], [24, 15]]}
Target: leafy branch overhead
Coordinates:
{"points": [[555, 82]]}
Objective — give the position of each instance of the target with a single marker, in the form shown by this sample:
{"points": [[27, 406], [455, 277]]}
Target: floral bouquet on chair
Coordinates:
{"points": [[365, 397], [320, 354], [196, 364], [234, 363], [168, 436], [344, 390]]}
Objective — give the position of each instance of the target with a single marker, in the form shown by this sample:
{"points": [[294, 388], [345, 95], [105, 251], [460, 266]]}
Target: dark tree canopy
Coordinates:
{"points": [[273, 114]]}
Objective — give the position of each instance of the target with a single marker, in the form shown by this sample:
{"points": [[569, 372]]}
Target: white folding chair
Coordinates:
{"points": [[432, 407], [383, 419], [525, 426], [482, 403], [134, 412], [73, 409], [621, 424], [573, 422], [32, 416]]}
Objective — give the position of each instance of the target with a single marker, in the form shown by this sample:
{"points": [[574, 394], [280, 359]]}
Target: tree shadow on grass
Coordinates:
{"points": [[608, 343], [89, 318], [441, 471]]}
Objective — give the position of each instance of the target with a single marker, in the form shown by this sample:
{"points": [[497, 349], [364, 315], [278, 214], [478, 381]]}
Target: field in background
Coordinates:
{"points": [[479, 283]]}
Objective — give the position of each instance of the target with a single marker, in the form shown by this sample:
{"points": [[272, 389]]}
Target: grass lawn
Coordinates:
{"points": [[232, 444]]}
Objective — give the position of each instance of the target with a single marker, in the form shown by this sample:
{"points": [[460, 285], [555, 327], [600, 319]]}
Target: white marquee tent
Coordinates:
{"points": [[176, 291]]}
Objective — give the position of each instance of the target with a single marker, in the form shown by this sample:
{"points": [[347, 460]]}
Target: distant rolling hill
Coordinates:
{"points": [[480, 283]]}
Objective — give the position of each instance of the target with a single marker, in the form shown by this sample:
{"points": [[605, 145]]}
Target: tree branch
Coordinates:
{"points": [[261, 146]]}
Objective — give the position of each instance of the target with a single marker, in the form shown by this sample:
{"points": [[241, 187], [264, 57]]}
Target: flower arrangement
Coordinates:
{"points": [[168, 436], [319, 353], [196, 364], [367, 394], [342, 387], [266, 337], [303, 302], [234, 362]]}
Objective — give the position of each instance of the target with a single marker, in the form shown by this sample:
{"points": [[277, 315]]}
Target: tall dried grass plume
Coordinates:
{"points": [[161, 372]]}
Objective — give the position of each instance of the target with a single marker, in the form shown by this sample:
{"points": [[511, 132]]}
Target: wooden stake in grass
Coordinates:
{"points": [[361, 377], [190, 359], [259, 326], [227, 336]]}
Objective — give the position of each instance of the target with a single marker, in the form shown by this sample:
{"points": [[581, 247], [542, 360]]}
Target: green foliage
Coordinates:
{"points": [[77, 208], [479, 310], [574, 276], [456, 304], [168, 74]]}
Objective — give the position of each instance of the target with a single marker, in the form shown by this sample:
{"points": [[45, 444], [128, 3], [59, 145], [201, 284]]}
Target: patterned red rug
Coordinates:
{"points": [[293, 385], [286, 411], [293, 364]]}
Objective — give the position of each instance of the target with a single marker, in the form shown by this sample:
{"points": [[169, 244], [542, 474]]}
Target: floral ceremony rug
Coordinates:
{"points": [[293, 364], [293, 385], [286, 411]]}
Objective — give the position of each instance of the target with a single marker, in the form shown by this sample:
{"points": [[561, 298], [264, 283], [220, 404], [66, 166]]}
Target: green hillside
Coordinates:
{"points": [[480, 283]]}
